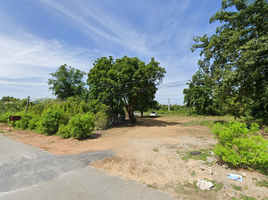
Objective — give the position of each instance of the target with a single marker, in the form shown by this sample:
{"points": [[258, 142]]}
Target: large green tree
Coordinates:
{"points": [[121, 83], [236, 56], [199, 94], [67, 82]]}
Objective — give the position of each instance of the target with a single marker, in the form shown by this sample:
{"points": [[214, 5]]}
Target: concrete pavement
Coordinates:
{"points": [[30, 173]]}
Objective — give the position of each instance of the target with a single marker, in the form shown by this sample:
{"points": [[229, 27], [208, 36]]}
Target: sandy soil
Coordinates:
{"points": [[147, 152]]}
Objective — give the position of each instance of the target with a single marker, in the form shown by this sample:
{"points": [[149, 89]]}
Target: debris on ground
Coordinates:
{"points": [[195, 152], [211, 159], [235, 177], [204, 184]]}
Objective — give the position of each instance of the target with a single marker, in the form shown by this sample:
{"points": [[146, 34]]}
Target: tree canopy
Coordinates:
{"points": [[235, 58], [67, 82], [124, 82]]}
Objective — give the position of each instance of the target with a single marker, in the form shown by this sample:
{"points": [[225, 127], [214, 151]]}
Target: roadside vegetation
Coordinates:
{"points": [[228, 93]]}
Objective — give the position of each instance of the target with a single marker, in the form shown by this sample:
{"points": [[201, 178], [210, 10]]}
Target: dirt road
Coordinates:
{"points": [[150, 152]]}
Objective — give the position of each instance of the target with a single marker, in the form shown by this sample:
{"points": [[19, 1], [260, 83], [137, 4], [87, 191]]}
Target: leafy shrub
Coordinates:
{"points": [[33, 122], [80, 126], [4, 117], [64, 131], [101, 120], [239, 145], [23, 123], [50, 120]]}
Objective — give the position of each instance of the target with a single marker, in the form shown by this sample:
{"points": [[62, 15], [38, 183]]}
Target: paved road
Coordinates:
{"points": [[30, 173]]}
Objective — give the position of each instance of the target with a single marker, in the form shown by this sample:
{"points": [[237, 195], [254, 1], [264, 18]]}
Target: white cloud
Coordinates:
{"points": [[31, 56], [160, 29]]}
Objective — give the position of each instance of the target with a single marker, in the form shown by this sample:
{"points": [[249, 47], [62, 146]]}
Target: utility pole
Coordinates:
{"points": [[27, 104], [168, 106]]}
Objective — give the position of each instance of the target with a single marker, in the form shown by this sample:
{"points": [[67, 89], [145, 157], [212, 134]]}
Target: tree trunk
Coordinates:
{"points": [[141, 113]]}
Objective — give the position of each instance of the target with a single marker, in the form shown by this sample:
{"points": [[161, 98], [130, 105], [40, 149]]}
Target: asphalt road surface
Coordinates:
{"points": [[30, 173]]}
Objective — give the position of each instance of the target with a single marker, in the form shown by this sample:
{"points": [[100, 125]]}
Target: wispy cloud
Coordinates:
{"points": [[30, 50]]}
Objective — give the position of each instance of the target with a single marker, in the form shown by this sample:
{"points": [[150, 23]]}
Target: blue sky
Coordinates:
{"points": [[37, 36]]}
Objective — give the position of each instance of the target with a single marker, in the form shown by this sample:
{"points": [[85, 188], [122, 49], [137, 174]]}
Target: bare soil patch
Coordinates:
{"points": [[150, 152]]}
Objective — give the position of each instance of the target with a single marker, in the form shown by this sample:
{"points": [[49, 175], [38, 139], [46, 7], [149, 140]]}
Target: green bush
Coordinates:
{"points": [[80, 126], [50, 120], [64, 131], [33, 122], [23, 123], [241, 146], [4, 117]]}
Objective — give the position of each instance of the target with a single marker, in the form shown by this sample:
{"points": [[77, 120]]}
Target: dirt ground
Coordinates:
{"points": [[149, 152]]}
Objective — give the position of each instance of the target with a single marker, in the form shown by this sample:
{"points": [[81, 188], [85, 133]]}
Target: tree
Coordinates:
{"points": [[236, 56], [10, 104], [122, 82], [67, 82], [199, 94], [145, 99]]}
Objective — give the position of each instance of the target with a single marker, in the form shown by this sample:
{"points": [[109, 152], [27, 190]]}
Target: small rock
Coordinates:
{"points": [[210, 171], [195, 152], [230, 193], [202, 168], [211, 159], [201, 161], [212, 153], [244, 174], [204, 184]]}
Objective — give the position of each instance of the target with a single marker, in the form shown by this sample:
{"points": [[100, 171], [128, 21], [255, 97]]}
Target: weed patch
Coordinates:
{"points": [[155, 150], [193, 173], [245, 197], [261, 183], [186, 155], [237, 187], [216, 186], [208, 124], [152, 186]]}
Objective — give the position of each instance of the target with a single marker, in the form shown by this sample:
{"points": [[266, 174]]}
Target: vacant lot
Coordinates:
{"points": [[155, 151]]}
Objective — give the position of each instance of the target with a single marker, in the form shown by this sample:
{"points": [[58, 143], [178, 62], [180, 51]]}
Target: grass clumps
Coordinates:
{"points": [[237, 187], [186, 155], [261, 183]]}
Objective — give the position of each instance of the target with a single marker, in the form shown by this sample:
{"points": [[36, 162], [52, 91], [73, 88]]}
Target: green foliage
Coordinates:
{"points": [[237, 187], [67, 82], [33, 122], [126, 82], [199, 94], [4, 117], [64, 131], [101, 119], [50, 120], [10, 104], [80, 126], [186, 155], [24, 122], [234, 61], [174, 109], [37, 109], [245, 197], [239, 145], [206, 123]]}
